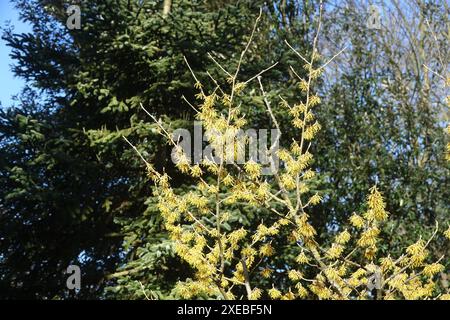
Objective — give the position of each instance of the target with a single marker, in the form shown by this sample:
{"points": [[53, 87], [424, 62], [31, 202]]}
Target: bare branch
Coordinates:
{"points": [[260, 73], [296, 52], [219, 65], [334, 57]]}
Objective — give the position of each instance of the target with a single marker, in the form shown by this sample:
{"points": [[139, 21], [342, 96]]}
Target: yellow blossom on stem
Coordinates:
{"points": [[274, 293], [432, 269], [253, 169], [357, 221], [343, 237], [447, 233]]}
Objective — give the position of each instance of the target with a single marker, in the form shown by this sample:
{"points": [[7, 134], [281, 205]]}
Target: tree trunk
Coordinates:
{"points": [[167, 6]]}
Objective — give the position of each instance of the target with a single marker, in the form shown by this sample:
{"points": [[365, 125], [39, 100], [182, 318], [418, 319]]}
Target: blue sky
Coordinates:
{"points": [[9, 84]]}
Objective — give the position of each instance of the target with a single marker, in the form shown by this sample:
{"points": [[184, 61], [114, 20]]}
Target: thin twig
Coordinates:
{"points": [[137, 151], [219, 65], [190, 104], [193, 74], [334, 57], [248, 288], [426, 67], [143, 290], [296, 52], [267, 103], [260, 73]]}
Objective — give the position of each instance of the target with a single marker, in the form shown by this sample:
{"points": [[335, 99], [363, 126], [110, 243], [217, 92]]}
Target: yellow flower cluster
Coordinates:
{"points": [[253, 169], [376, 205]]}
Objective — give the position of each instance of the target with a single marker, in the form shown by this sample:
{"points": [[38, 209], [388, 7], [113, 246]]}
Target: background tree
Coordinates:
{"points": [[386, 110]]}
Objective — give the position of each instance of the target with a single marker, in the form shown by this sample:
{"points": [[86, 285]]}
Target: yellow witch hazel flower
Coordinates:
{"points": [[228, 180], [196, 171], [369, 237], [315, 199], [253, 169], [311, 131], [288, 181], [295, 275], [447, 233], [376, 206], [417, 253], [274, 293], [266, 273], [303, 85], [386, 263], [302, 258], [357, 221], [432, 269], [335, 251], [314, 100], [301, 290], [343, 237], [266, 250], [256, 294]]}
